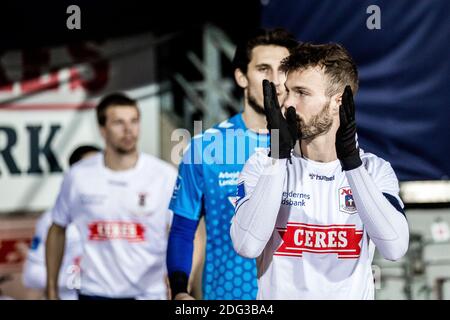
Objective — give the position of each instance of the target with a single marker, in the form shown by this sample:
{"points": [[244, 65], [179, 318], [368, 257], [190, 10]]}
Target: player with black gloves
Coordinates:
{"points": [[284, 130], [313, 209]]}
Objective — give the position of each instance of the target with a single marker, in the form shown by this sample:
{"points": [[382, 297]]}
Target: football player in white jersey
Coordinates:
{"points": [[34, 273], [119, 201], [314, 207]]}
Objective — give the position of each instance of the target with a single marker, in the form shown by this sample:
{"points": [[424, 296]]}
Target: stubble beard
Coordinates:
{"points": [[251, 100], [318, 125], [125, 150]]}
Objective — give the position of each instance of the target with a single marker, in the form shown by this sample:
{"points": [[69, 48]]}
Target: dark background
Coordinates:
{"points": [[26, 24], [403, 106]]}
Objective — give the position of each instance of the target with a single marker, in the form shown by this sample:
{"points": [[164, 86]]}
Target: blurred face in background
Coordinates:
{"points": [[121, 129], [264, 64], [305, 90]]}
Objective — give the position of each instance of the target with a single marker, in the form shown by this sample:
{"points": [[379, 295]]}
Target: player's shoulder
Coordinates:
{"points": [[220, 136], [260, 153], [154, 164], [382, 173], [44, 217], [235, 122], [374, 163], [258, 159], [86, 165], [43, 222]]}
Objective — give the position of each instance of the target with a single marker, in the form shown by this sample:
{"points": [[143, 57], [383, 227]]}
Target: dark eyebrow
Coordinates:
{"points": [[263, 65], [300, 89]]}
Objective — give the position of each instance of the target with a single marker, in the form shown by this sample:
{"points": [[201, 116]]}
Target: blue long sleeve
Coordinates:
{"points": [[181, 244]]}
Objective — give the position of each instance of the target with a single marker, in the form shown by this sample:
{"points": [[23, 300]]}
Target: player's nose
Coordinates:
{"points": [[287, 102]]}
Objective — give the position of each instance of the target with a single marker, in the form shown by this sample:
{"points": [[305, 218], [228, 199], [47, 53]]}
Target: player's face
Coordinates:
{"points": [[121, 130], [305, 90], [265, 64]]}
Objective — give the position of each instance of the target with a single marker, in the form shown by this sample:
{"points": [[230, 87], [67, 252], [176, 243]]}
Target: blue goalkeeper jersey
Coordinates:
{"points": [[207, 184]]}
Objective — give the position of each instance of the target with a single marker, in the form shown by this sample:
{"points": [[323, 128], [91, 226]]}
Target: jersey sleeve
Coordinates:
{"points": [[249, 176], [378, 205], [34, 275], [385, 178], [171, 180], [188, 191], [259, 199], [37, 247], [61, 212]]}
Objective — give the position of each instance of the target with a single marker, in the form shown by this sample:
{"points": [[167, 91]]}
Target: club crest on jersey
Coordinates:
{"points": [[142, 199], [346, 201]]}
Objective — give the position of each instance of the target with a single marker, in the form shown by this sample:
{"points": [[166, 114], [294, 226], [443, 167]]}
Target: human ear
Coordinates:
{"points": [[336, 101], [241, 78]]}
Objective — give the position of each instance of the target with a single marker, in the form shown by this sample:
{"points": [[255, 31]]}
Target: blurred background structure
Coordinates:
{"points": [[178, 67]]}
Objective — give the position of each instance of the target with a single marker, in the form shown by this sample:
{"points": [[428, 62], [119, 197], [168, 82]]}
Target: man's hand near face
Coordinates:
{"points": [[346, 148], [287, 127]]}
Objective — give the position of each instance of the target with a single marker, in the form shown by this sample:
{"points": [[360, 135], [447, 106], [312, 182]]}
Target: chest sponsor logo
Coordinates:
{"points": [[228, 178], [346, 201], [118, 183], [93, 199], [116, 230], [342, 240], [294, 199]]}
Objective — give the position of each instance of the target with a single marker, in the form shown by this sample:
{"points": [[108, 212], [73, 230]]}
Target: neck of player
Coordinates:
{"points": [[253, 120], [321, 148], [120, 161]]}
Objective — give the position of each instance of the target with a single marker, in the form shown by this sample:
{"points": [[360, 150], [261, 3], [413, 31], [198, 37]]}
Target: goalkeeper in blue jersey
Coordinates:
{"points": [[208, 174]]}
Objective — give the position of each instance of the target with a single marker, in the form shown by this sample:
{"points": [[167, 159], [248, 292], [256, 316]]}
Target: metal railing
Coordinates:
{"points": [[213, 93]]}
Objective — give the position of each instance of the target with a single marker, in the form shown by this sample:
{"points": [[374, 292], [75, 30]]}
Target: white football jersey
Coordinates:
{"points": [[34, 270], [319, 248], [123, 219]]}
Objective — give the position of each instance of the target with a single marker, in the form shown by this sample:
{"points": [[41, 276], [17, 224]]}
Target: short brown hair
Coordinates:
{"points": [[261, 37], [335, 60], [113, 99]]}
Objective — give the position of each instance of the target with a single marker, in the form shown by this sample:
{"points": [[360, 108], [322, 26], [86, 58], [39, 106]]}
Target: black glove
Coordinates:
{"points": [[346, 149], [287, 127]]}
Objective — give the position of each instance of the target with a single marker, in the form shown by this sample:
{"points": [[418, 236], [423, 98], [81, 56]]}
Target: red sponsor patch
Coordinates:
{"points": [[340, 239], [13, 251], [116, 230]]}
